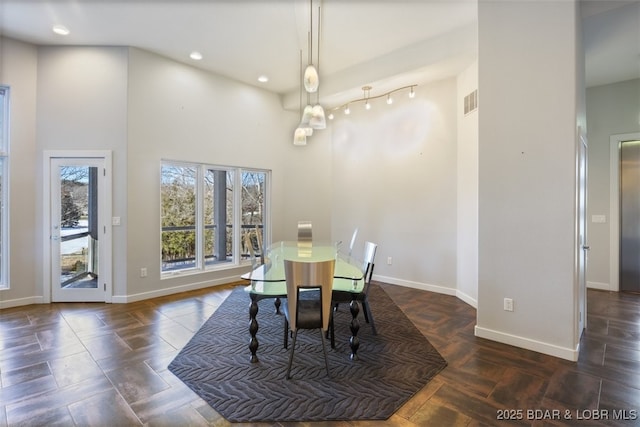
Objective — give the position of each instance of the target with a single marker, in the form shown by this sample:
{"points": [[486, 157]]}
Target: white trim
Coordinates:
{"points": [[20, 302], [467, 299], [417, 285], [599, 285], [5, 198], [529, 344], [429, 288], [124, 299], [614, 206]]}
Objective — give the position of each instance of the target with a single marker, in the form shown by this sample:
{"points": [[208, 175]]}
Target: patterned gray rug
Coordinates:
{"points": [[393, 365]]}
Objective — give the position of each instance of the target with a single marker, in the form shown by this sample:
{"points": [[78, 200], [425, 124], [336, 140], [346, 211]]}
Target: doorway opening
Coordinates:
{"points": [[615, 208]]}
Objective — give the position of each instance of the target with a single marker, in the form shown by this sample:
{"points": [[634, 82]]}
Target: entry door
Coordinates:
{"points": [[78, 235], [630, 216]]}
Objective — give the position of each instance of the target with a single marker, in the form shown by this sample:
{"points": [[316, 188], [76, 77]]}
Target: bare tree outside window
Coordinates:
{"points": [[198, 205]]}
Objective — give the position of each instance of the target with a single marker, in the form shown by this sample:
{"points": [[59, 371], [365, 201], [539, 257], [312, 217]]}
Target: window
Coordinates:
{"points": [[4, 188], [205, 221]]}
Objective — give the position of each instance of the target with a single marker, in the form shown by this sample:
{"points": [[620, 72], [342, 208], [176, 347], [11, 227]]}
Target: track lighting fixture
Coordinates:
{"points": [[367, 98]]}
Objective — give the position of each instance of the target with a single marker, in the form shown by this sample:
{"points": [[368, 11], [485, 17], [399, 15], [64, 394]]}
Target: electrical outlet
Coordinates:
{"points": [[508, 304], [143, 272], [389, 261]]}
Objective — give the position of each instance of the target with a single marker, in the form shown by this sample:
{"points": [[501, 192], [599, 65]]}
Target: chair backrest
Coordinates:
{"points": [[369, 258], [353, 240], [309, 274], [256, 259], [259, 242], [304, 231]]}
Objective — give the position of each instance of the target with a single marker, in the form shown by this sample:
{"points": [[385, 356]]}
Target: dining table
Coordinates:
{"points": [[268, 281]]}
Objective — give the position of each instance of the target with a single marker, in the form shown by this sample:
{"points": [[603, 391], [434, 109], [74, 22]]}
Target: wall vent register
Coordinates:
{"points": [[471, 102]]}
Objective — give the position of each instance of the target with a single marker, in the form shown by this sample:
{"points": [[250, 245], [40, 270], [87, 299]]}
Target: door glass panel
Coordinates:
{"points": [[78, 227]]}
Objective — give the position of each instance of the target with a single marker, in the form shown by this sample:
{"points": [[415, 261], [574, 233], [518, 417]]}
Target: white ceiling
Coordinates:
{"points": [[383, 43]]}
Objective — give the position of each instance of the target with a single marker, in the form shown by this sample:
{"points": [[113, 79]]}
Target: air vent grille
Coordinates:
{"points": [[471, 102]]}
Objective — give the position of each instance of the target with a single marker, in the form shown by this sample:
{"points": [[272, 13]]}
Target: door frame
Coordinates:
{"points": [[106, 210], [582, 239], [614, 206]]}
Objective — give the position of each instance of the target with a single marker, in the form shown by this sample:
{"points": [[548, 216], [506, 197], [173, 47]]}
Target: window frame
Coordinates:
{"points": [[4, 187], [202, 169]]}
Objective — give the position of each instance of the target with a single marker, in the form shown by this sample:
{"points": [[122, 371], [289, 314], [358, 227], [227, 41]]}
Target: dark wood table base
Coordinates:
{"points": [[354, 341]]}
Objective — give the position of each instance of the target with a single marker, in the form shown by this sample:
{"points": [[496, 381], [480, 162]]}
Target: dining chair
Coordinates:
{"points": [[254, 247], [259, 244], [353, 240], [308, 304], [362, 297]]}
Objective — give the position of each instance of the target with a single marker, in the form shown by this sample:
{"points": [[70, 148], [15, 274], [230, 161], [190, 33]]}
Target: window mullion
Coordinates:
{"points": [[4, 187], [237, 214], [200, 250]]}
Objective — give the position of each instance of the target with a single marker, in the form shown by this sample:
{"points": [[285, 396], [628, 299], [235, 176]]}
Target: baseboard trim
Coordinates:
{"points": [[20, 302], [123, 299], [416, 285], [528, 344], [599, 285], [466, 298]]}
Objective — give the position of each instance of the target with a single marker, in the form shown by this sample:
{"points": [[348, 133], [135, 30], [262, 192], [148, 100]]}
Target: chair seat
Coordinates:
{"points": [[347, 296]]}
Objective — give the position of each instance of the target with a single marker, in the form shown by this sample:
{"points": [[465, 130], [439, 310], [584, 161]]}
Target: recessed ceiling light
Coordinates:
{"points": [[263, 79], [61, 29], [195, 55]]}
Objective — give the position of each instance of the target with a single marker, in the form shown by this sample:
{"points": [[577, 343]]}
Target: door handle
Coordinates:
{"points": [[586, 247]]}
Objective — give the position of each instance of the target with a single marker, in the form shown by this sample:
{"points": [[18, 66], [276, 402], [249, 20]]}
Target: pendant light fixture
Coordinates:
{"points": [[312, 116], [318, 120], [311, 79], [303, 130]]}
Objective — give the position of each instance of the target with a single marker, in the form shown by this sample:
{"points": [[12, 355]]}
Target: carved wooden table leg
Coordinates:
{"points": [[253, 329], [354, 341]]}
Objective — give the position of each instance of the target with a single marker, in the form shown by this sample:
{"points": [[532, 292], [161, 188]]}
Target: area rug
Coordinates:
{"points": [[393, 365]]}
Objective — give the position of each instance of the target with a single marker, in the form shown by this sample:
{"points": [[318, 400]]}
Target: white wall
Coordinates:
{"points": [[18, 70], [307, 194], [611, 110], [146, 108], [467, 191], [177, 112], [394, 177], [82, 105], [527, 137]]}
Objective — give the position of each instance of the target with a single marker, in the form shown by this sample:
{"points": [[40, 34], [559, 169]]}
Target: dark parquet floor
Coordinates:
{"points": [[106, 365]]}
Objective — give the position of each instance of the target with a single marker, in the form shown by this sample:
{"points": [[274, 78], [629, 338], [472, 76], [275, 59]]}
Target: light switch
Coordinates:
{"points": [[115, 220], [601, 219]]}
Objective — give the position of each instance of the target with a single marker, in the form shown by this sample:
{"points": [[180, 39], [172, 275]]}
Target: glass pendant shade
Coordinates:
{"points": [[318, 120], [307, 115], [308, 130], [311, 79], [299, 137]]}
